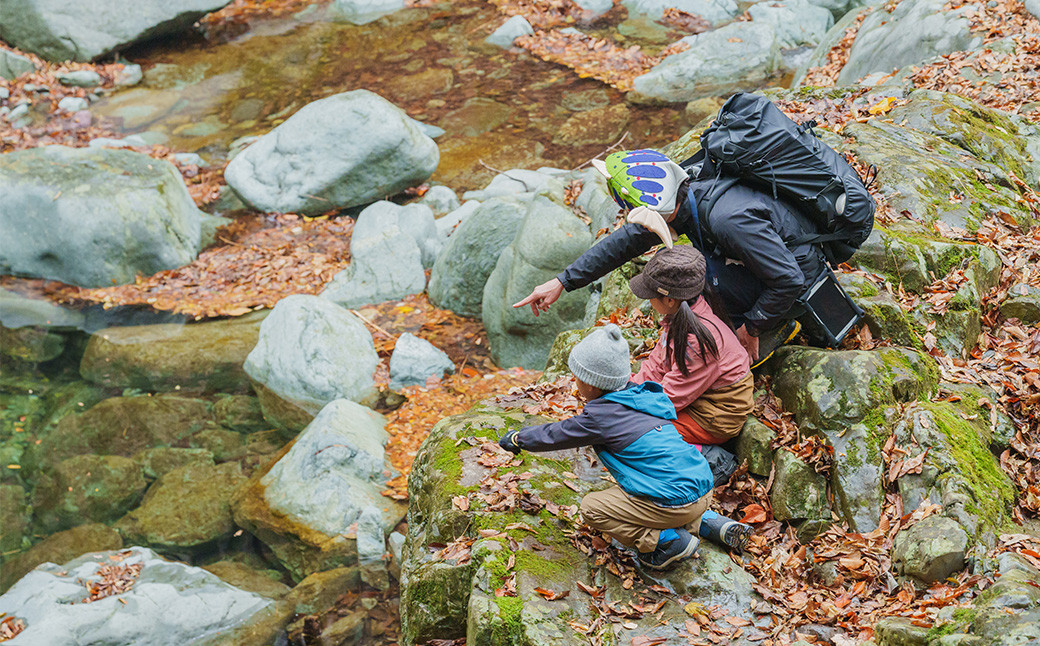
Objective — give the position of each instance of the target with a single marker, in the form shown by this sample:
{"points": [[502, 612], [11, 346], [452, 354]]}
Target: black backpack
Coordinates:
{"points": [[753, 142]]}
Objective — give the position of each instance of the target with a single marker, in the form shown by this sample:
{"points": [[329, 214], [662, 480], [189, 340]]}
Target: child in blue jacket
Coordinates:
{"points": [[664, 485]]}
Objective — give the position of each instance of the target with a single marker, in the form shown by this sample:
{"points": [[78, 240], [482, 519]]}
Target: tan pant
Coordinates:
{"points": [[718, 414], [635, 522]]}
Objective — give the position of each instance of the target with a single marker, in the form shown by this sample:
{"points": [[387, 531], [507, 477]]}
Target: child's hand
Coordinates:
{"points": [[509, 443]]}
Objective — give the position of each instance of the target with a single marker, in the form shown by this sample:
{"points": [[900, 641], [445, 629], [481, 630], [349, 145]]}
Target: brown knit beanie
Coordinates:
{"points": [[677, 272]]}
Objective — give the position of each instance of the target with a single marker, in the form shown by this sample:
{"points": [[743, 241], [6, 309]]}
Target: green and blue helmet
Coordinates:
{"points": [[642, 178]]}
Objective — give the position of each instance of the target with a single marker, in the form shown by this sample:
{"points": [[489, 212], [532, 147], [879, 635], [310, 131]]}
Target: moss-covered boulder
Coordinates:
{"points": [[31, 344], [265, 583], [191, 357], [58, 548], [162, 459], [930, 550], [126, 425], [841, 395], [755, 445], [1022, 303], [798, 492], [556, 365], [14, 511], [464, 597], [240, 413], [186, 510], [92, 488]]}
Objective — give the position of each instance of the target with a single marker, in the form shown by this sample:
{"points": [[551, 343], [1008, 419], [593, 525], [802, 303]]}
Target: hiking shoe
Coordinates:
{"points": [[669, 553], [728, 532], [774, 339]]}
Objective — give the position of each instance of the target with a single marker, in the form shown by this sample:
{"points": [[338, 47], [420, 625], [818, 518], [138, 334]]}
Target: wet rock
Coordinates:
{"points": [[319, 591], [168, 603], [754, 444], [930, 550], [17, 311], [713, 11], [899, 631], [187, 509], [361, 12], [141, 218], [415, 360], [441, 200], [796, 22], [320, 159], [550, 238], [125, 425], [306, 506], [909, 34], [595, 126], [476, 116], [346, 630], [90, 488], [80, 78], [798, 492], [130, 75], [249, 579], [717, 62], [57, 31], [471, 253], [72, 104], [701, 109], [1022, 303], [509, 31], [12, 65], [31, 344], [192, 357], [390, 246], [310, 352], [163, 459], [59, 548], [16, 513], [239, 413], [421, 86]]}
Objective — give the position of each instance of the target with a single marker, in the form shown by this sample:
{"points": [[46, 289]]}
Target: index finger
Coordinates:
{"points": [[527, 300]]}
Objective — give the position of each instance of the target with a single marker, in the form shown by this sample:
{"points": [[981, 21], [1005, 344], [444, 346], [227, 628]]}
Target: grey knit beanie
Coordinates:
{"points": [[601, 359]]}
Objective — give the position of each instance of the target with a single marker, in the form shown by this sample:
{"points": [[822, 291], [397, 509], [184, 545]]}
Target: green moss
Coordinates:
{"points": [[868, 291], [993, 493]]}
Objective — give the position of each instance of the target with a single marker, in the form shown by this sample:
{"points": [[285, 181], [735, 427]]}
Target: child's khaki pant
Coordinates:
{"points": [[635, 522]]}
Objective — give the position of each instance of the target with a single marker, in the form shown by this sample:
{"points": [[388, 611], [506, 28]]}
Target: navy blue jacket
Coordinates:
{"points": [[745, 225], [631, 434]]}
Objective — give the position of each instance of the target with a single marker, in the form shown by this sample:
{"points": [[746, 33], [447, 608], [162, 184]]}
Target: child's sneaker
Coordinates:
{"points": [[726, 531], [670, 552]]}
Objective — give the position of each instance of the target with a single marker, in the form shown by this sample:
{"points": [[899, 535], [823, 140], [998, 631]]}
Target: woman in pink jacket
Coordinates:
{"points": [[698, 360]]}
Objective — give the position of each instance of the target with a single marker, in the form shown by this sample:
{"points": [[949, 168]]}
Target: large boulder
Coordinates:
{"points": [[193, 357], [390, 246], [310, 352], [164, 603], [311, 505], [61, 31], [797, 23], [910, 33], [94, 217], [714, 11], [467, 260], [186, 509], [528, 541], [341, 151], [930, 550], [717, 62], [550, 238]]}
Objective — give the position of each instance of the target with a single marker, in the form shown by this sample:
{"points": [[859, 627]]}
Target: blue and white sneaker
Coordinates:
{"points": [[670, 551]]}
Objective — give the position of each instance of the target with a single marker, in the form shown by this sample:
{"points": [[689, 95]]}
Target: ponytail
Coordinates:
{"points": [[681, 325]]}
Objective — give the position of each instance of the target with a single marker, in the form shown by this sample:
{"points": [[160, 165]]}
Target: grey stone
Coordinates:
{"points": [[130, 141], [471, 253], [58, 548], [169, 603], [72, 104], [80, 78], [447, 225], [441, 200], [717, 62], [59, 31], [130, 75], [12, 65], [431, 131], [843, 20], [94, 217], [714, 11], [930, 550], [341, 151], [361, 12], [18, 311], [798, 493], [754, 444], [1022, 303], [595, 7], [796, 22], [550, 238], [911, 33], [511, 182], [899, 631], [311, 352], [415, 360], [386, 264], [413, 220], [509, 31]]}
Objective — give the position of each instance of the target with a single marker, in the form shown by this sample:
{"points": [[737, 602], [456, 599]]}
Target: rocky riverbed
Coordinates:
{"points": [[257, 338]]}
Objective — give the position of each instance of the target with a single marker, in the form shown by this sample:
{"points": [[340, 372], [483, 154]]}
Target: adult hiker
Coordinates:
{"points": [[757, 276]]}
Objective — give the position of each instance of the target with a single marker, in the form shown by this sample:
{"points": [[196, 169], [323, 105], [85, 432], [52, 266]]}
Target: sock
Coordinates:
{"points": [[667, 535], [704, 531]]}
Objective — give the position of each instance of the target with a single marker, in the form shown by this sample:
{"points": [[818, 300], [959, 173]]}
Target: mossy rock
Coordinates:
{"points": [[92, 488], [240, 413], [930, 550], [956, 332], [59, 548], [616, 294], [1022, 303], [126, 425], [556, 366], [319, 591], [185, 510], [14, 511], [31, 344], [798, 492], [159, 460], [452, 600], [191, 357], [266, 583], [755, 444]]}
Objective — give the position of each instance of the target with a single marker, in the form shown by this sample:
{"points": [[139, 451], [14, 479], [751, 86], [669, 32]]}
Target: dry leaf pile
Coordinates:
{"points": [[10, 626], [688, 22], [542, 14], [113, 578]]}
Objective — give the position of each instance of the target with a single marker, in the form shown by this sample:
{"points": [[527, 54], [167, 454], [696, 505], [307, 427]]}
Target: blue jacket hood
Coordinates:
{"points": [[647, 397]]}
